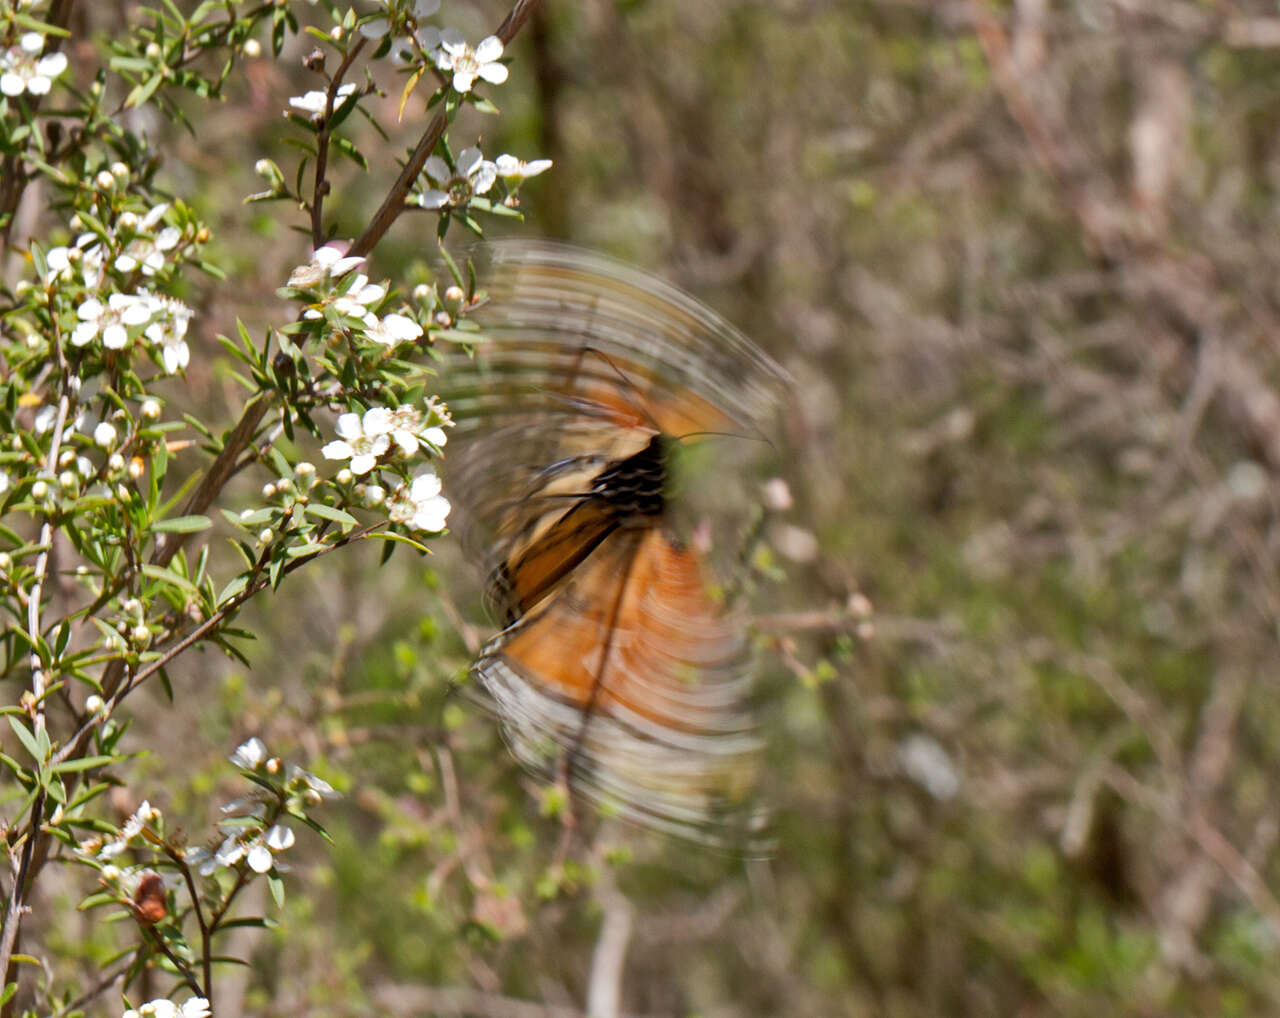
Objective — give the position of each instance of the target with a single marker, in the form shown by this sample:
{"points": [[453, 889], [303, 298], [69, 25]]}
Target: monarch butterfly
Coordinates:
{"points": [[617, 669]]}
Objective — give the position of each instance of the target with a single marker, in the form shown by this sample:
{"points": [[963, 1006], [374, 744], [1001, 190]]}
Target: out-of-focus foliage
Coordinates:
{"points": [[1021, 259]]}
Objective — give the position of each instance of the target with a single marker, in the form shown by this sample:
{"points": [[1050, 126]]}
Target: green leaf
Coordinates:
{"points": [[87, 763], [183, 524], [327, 512], [233, 589], [169, 576], [277, 889], [383, 535], [27, 738]]}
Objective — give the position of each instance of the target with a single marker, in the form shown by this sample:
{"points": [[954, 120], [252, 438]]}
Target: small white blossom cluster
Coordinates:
{"points": [[126, 836], [474, 175], [258, 845], [363, 439], [145, 247], [354, 300], [162, 1007], [23, 69]]}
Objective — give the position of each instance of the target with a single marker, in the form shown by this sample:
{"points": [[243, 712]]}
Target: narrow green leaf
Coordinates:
{"points": [[27, 738], [183, 524]]}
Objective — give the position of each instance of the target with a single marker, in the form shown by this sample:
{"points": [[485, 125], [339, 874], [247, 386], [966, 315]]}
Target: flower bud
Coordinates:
{"points": [[141, 634], [150, 408], [105, 181], [67, 480], [343, 476], [252, 48], [105, 435], [94, 703], [39, 490], [266, 535], [119, 171]]}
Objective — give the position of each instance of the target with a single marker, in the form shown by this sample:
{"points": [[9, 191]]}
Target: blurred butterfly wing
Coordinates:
{"points": [[581, 361], [614, 657], [634, 674]]}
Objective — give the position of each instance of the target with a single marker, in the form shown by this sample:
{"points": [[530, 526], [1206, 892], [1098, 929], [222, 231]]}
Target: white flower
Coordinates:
{"points": [[329, 262], [314, 102], [148, 252], [391, 330], [420, 505], [22, 69], [295, 775], [512, 169], [61, 262], [250, 755], [141, 817], [355, 302], [111, 320], [467, 64], [474, 175], [361, 440], [160, 1008], [277, 839], [168, 330], [405, 424]]}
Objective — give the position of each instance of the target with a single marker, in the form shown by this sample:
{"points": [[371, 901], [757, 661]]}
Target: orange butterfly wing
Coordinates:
{"points": [[636, 677], [615, 660]]}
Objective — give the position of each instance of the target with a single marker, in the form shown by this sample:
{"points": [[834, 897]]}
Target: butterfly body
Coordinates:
{"points": [[618, 667]]}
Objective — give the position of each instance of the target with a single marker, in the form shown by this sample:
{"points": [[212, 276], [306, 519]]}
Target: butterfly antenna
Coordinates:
{"points": [[626, 383]]}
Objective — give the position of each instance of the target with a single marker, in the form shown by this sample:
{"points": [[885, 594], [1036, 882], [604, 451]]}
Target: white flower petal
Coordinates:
{"points": [[495, 74], [437, 169], [338, 450], [279, 838], [488, 49], [348, 427], [260, 859], [363, 463], [376, 421]]}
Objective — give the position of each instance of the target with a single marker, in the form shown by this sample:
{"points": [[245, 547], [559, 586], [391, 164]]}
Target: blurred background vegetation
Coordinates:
{"points": [[1021, 258]]}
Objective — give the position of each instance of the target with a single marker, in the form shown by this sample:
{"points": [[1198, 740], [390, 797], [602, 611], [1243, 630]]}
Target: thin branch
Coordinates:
{"points": [[321, 187]]}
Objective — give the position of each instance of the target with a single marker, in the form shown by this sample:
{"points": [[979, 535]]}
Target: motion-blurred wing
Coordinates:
{"points": [[582, 361], [631, 673]]}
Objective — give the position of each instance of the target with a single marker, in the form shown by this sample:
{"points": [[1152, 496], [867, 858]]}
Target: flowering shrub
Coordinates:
{"points": [[106, 571]]}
